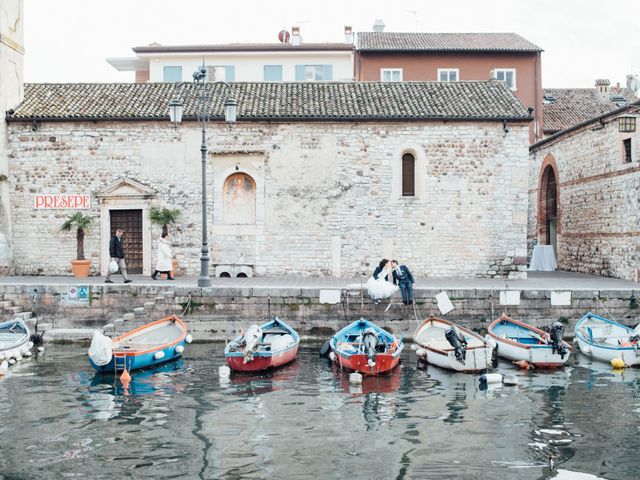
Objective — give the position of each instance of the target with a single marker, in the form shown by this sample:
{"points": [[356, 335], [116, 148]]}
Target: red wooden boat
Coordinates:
{"points": [[365, 348], [273, 344]]}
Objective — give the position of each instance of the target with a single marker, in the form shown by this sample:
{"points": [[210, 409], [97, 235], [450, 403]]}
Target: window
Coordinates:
{"points": [[220, 73], [312, 73], [272, 73], [448, 74], [626, 144], [507, 75], [172, 74], [408, 175], [390, 74]]}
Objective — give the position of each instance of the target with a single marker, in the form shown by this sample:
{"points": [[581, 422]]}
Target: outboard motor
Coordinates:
{"points": [[556, 332], [370, 340], [250, 340], [458, 342]]}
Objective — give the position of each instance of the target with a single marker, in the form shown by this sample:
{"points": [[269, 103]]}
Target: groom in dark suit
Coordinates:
{"points": [[402, 277]]}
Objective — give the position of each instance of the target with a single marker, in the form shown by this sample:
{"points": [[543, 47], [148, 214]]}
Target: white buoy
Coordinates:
{"points": [[179, 349], [158, 355], [188, 338], [41, 349], [224, 371], [510, 379], [4, 366], [414, 347], [491, 378], [421, 352], [355, 377], [332, 356], [12, 361], [30, 345]]}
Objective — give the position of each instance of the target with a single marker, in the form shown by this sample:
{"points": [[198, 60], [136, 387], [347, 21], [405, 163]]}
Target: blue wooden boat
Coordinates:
{"points": [[364, 347], [151, 344], [14, 341], [268, 346], [605, 340]]}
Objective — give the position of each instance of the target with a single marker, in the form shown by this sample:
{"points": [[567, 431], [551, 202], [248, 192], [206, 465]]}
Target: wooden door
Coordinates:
{"points": [[131, 222]]}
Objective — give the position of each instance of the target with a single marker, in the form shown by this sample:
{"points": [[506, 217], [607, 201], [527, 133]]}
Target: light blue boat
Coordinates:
{"points": [[605, 340], [14, 340], [151, 344]]}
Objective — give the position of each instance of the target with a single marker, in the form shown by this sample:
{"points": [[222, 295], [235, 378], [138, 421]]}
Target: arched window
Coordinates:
{"points": [[408, 175], [239, 199]]}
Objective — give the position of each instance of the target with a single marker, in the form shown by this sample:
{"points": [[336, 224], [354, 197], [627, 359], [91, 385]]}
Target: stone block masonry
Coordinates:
{"points": [[219, 313], [327, 200], [598, 192]]}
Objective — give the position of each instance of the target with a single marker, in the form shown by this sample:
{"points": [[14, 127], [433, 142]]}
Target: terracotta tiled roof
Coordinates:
{"points": [[264, 101], [565, 107], [243, 47], [444, 42]]}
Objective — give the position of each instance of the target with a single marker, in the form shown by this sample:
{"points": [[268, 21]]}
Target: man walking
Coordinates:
{"points": [[116, 252], [402, 277]]}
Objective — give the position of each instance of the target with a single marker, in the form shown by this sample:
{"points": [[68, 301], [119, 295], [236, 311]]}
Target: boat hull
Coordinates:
{"points": [[349, 352], [139, 349], [605, 335], [264, 358], [540, 355], [261, 360], [359, 363], [433, 348], [136, 362], [476, 360], [14, 345]]}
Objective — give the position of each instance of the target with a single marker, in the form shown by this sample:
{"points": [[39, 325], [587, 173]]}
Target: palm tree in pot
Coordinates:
{"points": [[165, 217], [81, 223]]}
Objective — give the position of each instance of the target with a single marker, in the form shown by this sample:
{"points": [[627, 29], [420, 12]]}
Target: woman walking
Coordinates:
{"points": [[164, 257]]}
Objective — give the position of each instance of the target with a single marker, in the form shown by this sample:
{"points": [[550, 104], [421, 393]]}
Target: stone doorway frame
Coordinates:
{"points": [[125, 194], [549, 163]]}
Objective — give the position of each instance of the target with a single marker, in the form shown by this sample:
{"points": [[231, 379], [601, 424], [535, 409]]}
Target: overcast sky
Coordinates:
{"points": [[68, 40]]}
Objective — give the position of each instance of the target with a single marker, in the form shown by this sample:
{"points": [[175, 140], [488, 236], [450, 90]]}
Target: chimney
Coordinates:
{"points": [[633, 84], [378, 26], [296, 39], [602, 89], [348, 34]]}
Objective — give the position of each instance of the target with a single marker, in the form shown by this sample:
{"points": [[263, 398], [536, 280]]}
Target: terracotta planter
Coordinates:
{"points": [[80, 268]]}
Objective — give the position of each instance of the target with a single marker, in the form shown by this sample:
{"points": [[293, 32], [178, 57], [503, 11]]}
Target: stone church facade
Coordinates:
{"points": [[313, 179]]}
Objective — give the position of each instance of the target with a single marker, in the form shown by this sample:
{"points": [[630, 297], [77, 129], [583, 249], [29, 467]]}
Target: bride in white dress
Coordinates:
{"points": [[378, 286]]}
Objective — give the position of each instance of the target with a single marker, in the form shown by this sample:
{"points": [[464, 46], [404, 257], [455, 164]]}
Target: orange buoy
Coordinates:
{"points": [[522, 364], [125, 377]]}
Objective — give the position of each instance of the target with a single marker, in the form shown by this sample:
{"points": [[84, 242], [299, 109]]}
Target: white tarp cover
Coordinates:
{"points": [[101, 349], [278, 342]]}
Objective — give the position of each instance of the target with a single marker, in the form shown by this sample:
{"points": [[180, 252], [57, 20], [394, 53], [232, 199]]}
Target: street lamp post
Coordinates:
{"points": [[230, 112]]}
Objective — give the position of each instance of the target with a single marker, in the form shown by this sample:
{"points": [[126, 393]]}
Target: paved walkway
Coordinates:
{"points": [[535, 281]]}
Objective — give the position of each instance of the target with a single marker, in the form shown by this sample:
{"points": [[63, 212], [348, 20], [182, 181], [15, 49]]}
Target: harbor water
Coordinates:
{"points": [[58, 419]]}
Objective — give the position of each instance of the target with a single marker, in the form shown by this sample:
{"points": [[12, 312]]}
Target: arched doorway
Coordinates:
{"points": [[548, 208]]}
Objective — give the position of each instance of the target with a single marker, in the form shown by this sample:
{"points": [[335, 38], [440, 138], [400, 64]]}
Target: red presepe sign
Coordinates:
{"points": [[62, 202]]}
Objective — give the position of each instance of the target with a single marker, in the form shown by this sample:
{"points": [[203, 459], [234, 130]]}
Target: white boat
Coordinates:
{"points": [[14, 341], [451, 346], [518, 341], [604, 340]]}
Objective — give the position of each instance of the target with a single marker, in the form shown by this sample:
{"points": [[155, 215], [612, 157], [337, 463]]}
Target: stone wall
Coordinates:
{"points": [[219, 313], [599, 200], [328, 196]]}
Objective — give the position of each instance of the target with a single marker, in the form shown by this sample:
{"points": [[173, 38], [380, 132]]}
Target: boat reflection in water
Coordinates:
{"points": [[387, 383], [258, 383]]}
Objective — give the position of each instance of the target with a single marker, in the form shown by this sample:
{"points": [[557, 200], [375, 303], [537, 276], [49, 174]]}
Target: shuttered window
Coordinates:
{"points": [[408, 175]]}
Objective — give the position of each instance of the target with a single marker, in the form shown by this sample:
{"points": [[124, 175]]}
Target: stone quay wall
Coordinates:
{"points": [[328, 196], [219, 313], [598, 201]]}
